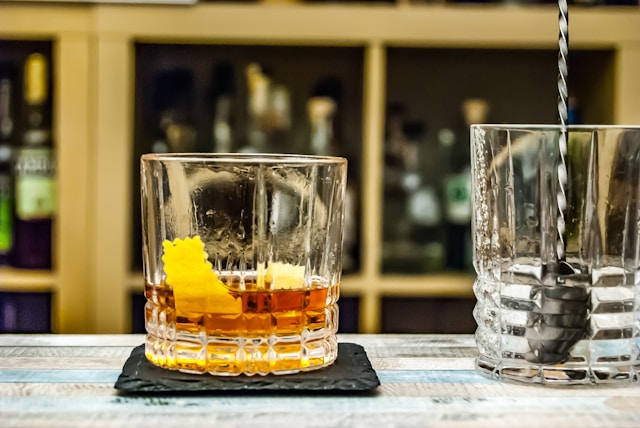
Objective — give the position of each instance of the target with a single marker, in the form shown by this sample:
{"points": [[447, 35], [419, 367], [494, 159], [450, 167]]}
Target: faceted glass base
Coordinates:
{"points": [[202, 351], [620, 373]]}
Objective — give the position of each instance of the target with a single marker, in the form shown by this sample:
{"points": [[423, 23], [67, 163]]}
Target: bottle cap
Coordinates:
{"points": [[475, 110], [35, 79]]}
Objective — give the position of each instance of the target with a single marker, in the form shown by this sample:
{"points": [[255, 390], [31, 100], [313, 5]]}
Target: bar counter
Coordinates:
{"points": [[426, 381]]}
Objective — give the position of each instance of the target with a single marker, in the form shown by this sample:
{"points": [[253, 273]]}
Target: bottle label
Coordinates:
{"points": [[424, 207], [6, 214], [458, 195], [35, 195]]}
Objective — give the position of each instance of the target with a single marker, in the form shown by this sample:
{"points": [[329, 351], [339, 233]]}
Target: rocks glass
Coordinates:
{"points": [[242, 261]]}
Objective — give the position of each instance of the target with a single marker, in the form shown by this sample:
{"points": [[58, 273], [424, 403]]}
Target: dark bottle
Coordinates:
{"points": [[423, 200], [574, 115], [413, 241], [34, 172], [173, 102], [396, 227], [6, 204], [222, 98], [7, 126], [457, 187], [25, 312]]}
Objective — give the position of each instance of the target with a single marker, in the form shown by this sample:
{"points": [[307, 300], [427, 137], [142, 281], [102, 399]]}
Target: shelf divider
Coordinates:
{"points": [[372, 176], [72, 228], [112, 161]]}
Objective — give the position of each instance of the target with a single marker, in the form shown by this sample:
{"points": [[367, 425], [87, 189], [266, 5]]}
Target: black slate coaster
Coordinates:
{"points": [[351, 371]]}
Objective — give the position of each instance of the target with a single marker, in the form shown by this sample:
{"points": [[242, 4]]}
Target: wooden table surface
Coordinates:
{"points": [[426, 381]]}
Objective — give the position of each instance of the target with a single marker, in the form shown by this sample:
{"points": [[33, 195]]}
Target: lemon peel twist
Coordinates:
{"points": [[196, 287]]}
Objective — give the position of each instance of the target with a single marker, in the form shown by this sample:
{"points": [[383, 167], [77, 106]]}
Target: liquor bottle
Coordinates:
{"points": [[331, 88], [174, 101], [34, 172], [278, 118], [423, 200], [7, 84], [457, 187], [324, 108], [222, 98], [396, 229], [6, 204], [574, 115], [258, 87], [395, 141], [268, 113], [412, 208], [25, 312], [320, 111]]}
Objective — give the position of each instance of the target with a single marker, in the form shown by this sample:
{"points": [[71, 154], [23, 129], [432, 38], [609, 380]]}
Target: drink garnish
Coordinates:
{"points": [[196, 287], [281, 276]]}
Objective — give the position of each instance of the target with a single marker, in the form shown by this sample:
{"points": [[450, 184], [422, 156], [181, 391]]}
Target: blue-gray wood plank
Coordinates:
{"points": [[426, 381]]}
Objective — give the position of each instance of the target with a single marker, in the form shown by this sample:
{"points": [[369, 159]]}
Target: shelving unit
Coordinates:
{"points": [[94, 51]]}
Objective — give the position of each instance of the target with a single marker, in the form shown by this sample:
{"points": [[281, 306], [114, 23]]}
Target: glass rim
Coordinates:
{"points": [[244, 158], [552, 127]]}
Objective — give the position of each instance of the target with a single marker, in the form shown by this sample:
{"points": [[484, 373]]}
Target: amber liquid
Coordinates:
{"points": [[276, 331]]}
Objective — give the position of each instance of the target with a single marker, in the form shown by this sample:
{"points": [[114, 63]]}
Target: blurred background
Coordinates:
{"points": [[86, 88]]}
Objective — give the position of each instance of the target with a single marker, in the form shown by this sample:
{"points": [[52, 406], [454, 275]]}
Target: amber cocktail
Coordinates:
{"points": [[242, 261]]}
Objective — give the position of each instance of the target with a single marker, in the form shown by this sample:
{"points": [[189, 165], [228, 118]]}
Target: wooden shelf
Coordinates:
{"points": [[492, 25], [19, 280], [94, 48]]}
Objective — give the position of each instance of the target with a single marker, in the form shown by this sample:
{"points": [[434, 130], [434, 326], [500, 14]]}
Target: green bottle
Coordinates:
{"points": [[7, 85]]}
